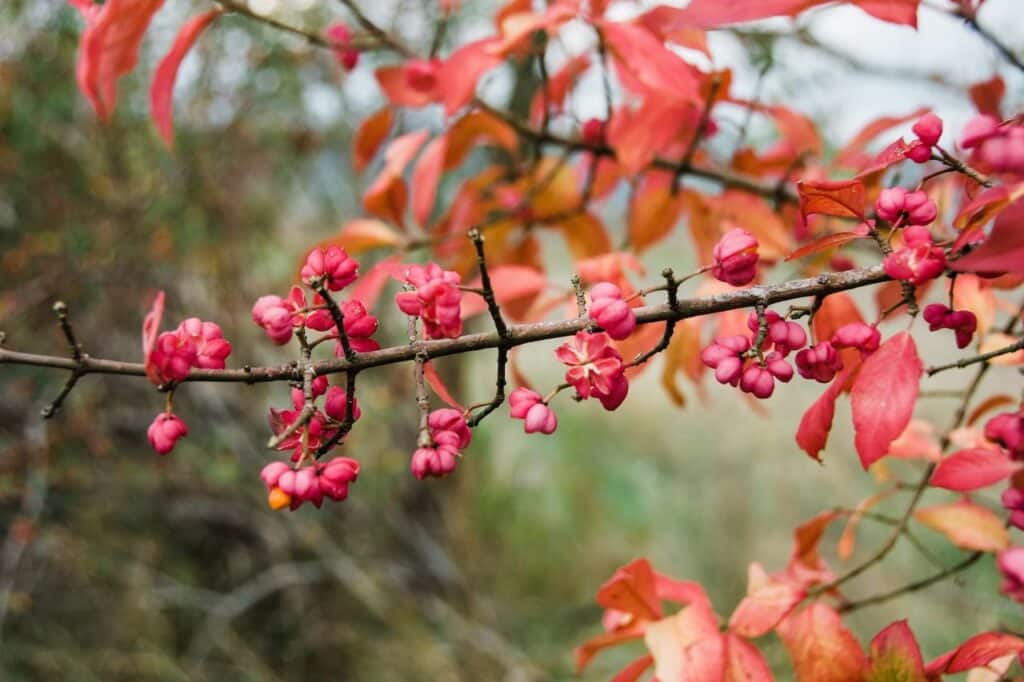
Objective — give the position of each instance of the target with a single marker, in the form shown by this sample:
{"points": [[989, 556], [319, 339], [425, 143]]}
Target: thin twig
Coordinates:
{"points": [[975, 359], [487, 291], [337, 315]]}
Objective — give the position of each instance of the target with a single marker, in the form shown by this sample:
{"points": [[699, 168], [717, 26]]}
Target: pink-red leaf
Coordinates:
{"points": [[1003, 251], [821, 647], [973, 468], [426, 177], [978, 651], [884, 395], [812, 434], [109, 47], [161, 93], [744, 662]]}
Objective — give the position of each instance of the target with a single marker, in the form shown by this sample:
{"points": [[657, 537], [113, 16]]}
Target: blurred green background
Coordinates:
{"points": [[117, 564]]}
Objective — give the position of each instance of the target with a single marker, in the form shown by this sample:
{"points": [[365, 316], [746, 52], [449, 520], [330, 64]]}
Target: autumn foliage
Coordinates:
{"points": [[464, 214]]}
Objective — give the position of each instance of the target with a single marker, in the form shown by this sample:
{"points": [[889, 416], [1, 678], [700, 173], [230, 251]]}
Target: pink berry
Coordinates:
{"points": [[529, 406], [212, 349], [735, 257], [1011, 565], [1013, 501], [979, 129], [890, 203], [421, 74], [758, 381], [336, 404], [1007, 430], [592, 131], [962, 322], [611, 311], [928, 129], [777, 366], [165, 431], [919, 153], [439, 461], [919, 260], [819, 362], [341, 36], [452, 421], [436, 299], [333, 265], [920, 209], [595, 368], [859, 335]]}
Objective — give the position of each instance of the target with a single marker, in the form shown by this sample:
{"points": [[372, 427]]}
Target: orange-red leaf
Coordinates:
{"points": [[822, 649], [162, 91], [884, 395], [463, 70], [843, 198], [829, 241], [1003, 251], [653, 213], [967, 525], [895, 655], [369, 136], [853, 156], [812, 434]]}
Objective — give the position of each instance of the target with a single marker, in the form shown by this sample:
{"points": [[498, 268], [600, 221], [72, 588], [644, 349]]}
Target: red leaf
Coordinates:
{"points": [[768, 601], [637, 136], [437, 384], [463, 70], [988, 95], [162, 91], [426, 177], [971, 469], [653, 211], [511, 284], [821, 647], [370, 134], [647, 66], [979, 651], [902, 12], [844, 198], [1003, 251], [895, 655], [967, 525], [812, 434], [853, 156], [109, 47], [714, 13], [150, 331], [829, 241], [631, 590], [884, 395]]}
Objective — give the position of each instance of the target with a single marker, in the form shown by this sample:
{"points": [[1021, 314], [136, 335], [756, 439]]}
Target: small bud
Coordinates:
{"points": [[592, 131]]}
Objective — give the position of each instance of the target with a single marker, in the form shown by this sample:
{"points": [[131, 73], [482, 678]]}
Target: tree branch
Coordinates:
{"points": [[517, 335]]}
